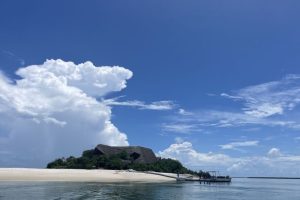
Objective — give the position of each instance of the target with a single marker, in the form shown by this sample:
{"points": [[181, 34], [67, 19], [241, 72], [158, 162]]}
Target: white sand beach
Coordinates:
{"points": [[78, 175]]}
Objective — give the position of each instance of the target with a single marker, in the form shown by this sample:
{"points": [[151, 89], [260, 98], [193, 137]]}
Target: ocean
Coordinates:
{"points": [[239, 189]]}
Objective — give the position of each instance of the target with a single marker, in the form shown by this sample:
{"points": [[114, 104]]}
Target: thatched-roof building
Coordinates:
{"points": [[136, 153]]}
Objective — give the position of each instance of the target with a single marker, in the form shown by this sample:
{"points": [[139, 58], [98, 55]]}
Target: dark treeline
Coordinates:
{"points": [[121, 161]]}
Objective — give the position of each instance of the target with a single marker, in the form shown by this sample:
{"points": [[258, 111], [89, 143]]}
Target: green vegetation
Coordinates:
{"points": [[91, 160]]}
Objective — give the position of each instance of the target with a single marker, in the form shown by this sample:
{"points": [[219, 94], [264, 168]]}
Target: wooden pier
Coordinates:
{"points": [[213, 179], [208, 180]]}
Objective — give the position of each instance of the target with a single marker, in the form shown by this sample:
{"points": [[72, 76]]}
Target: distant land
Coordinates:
{"points": [[268, 177]]}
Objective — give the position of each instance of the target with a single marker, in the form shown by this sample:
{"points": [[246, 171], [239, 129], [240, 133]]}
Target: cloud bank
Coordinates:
{"points": [[273, 163], [52, 111]]}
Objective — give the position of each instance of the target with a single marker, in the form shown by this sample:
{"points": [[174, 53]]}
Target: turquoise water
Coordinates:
{"points": [[239, 189]]}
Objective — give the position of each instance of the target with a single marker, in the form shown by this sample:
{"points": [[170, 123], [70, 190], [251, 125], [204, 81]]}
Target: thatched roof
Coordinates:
{"points": [[138, 154]]}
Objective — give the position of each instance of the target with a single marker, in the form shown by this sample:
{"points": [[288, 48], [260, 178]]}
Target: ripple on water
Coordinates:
{"points": [[239, 189]]}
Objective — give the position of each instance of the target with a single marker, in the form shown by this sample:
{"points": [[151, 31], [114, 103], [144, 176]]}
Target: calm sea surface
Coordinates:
{"points": [[239, 189]]}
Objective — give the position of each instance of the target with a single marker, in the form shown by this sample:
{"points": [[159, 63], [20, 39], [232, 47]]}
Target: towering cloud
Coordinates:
{"points": [[52, 110]]}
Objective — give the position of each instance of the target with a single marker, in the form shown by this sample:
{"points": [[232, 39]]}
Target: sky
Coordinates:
{"points": [[213, 84]]}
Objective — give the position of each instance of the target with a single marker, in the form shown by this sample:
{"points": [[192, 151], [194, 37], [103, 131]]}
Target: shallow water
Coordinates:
{"points": [[239, 189]]}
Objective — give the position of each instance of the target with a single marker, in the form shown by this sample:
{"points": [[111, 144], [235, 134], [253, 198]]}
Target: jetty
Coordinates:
{"points": [[214, 178]]}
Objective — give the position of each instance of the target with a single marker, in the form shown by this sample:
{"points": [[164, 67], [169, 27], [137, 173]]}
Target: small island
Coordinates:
{"points": [[112, 164], [132, 158]]}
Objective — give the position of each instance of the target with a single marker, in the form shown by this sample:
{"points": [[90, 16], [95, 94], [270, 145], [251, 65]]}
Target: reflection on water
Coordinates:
{"points": [[239, 189]]}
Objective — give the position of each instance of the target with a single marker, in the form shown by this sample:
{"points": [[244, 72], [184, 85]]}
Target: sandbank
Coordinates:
{"points": [[79, 175]]}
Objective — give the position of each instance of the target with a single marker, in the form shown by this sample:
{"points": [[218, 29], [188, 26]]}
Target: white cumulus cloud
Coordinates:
{"points": [[52, 110], [274, 152], [185, 153]]}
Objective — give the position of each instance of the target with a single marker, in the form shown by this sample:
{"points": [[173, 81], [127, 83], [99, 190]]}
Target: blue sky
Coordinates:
{"points": [[215, 84]]}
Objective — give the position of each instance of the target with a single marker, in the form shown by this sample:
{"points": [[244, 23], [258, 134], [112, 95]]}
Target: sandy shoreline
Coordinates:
{"points": [[78, 175]]}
